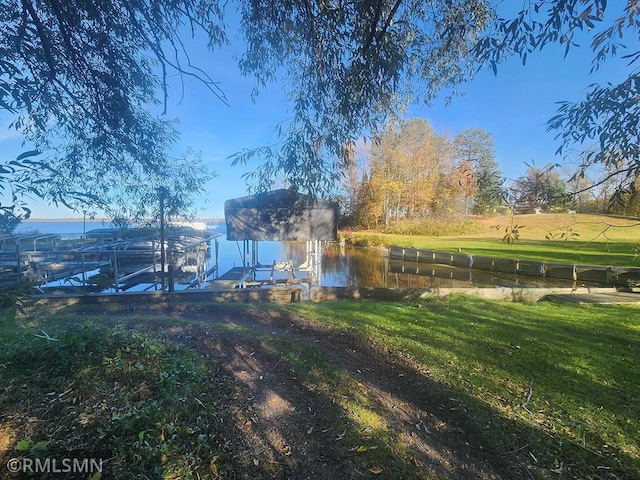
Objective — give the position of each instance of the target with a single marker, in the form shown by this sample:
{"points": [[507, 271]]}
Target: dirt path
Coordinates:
{"points": [[301, 429]]}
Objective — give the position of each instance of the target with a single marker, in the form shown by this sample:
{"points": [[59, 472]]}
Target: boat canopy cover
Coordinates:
{"points": [[280, 215]]}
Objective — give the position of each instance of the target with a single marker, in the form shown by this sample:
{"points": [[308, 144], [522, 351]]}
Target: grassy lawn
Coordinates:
{"points": [[551, 389], [586, 239], [560, 382]]}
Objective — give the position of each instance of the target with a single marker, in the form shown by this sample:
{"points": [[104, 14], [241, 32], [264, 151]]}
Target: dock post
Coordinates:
{"points": [[217, 268], [84, 269], [254, 253], [19, 266], [115, 270], [172, 286]]}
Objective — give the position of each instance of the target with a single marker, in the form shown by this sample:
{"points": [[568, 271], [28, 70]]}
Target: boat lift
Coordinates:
{"points": [[108, 258], [284, 216], [254, 273]]}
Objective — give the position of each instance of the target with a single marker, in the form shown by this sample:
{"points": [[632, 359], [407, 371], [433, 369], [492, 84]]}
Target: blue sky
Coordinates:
{"points": [[513, 106]]}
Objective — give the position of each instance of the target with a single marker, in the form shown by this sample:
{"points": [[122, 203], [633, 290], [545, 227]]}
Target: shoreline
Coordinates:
{"points": [[64, 220], [106, 220]]}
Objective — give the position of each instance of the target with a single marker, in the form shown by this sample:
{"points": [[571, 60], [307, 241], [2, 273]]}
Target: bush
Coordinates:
{"points": [[436, 227], [125, 396], [363, 239]]}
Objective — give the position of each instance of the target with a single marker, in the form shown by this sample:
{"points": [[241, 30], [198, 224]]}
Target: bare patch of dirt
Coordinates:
{"points": [[300, 428]]}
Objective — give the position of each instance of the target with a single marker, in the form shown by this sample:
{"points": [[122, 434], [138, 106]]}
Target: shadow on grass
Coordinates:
{"points": [[567, 385], [346, 401], [462, 423], [331, 407]]}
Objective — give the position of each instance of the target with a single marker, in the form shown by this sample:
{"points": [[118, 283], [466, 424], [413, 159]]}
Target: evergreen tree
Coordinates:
{"points": [[491, 190], [474, 146]]}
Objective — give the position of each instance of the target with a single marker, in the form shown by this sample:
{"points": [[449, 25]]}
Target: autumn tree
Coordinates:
{"points": [[412, 175], [356, 65], [369, 208], [83, 78], [349, 68]]}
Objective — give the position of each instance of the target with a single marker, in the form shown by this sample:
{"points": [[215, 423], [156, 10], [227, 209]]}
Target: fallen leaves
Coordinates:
{"points": [[213, 465], [363, 448]]}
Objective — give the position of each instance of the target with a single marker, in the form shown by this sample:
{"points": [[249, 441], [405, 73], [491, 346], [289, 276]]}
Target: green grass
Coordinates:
{"points": [[560, 381], [586, 239], [550, 388], [593, 253]]}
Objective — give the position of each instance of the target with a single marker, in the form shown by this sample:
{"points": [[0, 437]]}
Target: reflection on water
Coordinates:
{"points": [[366, 267], [345, 266], [341, 265], [353, 267]]}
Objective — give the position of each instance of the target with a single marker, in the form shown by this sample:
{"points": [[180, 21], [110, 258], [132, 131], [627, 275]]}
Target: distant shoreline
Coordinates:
{"points": [[33, 220], [106, 220]]}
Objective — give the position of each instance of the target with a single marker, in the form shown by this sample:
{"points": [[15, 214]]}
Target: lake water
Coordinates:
{"points": [[341, 266]]}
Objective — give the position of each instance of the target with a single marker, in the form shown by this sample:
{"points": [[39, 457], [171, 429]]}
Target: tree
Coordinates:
{"points": [[350, 67], [14, 184], [80, 76], [474, 147], [491, 190], [587, 188], [369, 209], [609, 114], [540, 188], [350, 190], [81, 80], [412, 175]]}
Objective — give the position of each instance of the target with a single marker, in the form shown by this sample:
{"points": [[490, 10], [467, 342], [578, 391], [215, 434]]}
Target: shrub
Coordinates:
{"points": [[436, 227], [363, 239], [147, 404]]}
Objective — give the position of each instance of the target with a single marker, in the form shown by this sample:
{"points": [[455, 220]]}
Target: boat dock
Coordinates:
{"points": [[108, 260], [279, 273], [605, 275], [228, 280]]}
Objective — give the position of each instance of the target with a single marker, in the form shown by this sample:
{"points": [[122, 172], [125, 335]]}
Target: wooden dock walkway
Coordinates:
{"points": [[599, 298], [228, 280]]}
